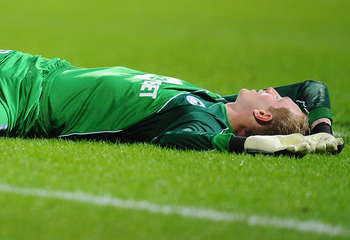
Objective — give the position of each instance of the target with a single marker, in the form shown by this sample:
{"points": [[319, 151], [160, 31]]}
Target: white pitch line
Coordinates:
{"points": [[184, 211]]}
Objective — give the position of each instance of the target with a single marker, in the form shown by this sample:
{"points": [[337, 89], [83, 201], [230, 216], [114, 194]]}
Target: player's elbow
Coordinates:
{"points": [[315, 84]]}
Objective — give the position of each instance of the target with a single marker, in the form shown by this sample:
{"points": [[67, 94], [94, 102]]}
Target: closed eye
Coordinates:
{"points": [[285, 98]]}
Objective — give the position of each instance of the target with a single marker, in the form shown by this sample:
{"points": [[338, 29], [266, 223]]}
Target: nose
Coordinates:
{"points": [[269, 90], [273, 91]]}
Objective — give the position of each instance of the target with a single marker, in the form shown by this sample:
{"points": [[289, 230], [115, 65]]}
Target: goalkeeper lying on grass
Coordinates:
{"points": [[50, 98]]}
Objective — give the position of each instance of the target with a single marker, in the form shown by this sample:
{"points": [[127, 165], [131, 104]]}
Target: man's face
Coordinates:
{"points": [[263, 99]]}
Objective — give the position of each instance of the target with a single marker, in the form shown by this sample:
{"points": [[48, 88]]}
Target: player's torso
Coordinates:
{"points": [[113, 98]]}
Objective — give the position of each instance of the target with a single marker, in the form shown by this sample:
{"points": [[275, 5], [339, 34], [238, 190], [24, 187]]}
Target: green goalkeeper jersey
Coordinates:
{"points": [[121, 103], [51, 98]]}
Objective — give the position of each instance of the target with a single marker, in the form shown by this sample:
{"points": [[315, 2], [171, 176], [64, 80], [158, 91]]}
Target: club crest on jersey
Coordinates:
{"points": [[195, 101], [5, 51]]}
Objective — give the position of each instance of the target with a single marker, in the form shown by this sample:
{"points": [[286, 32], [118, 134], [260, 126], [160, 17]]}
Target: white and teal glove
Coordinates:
{"points": [[325, 143], [277, 144], [294, 144]]}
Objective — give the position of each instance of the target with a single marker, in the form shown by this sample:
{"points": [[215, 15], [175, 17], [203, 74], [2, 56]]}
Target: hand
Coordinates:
{"points": [[293, 144], [325, 143]]}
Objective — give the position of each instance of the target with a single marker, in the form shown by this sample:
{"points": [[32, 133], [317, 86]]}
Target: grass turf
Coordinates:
{"points": [[219, 45]]}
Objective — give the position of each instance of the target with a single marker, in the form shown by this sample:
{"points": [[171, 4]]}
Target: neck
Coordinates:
{"points": [[237, 119]]}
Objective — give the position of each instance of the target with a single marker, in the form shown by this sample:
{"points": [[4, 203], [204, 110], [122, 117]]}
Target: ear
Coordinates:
{"points": [[262, 116]]}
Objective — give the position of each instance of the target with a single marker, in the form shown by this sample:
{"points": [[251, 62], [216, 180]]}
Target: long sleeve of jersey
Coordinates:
{"points": [[188, 122], [311, 96], [200, 135], [189, 136]]}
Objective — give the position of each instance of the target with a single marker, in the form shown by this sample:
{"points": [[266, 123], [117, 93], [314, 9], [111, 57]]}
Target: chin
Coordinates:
{"points": [[243, 92]]}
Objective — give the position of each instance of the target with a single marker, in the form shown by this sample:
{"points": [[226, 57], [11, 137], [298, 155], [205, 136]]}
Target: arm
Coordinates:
{"points": [[293, 144], [200, 131], [313, 99], [202, 141], [191, 136]]}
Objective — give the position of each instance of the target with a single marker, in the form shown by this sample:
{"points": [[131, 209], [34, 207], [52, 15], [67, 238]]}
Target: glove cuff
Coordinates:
{"points": [[237, 144], [322, 127]]}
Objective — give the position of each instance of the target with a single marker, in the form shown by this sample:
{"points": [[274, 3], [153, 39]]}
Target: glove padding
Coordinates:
{"points": [[293, 144], [325, 143]]}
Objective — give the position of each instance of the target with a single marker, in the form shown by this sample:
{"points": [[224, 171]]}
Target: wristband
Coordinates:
{"points": [[322, 127], [237, 144]]}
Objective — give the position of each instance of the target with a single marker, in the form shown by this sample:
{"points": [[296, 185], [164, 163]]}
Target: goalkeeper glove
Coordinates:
{"points": [[325, 143], [292, 144]]}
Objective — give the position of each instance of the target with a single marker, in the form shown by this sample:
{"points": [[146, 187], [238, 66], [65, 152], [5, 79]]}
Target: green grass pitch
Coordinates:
{"points": [[55, 189]]}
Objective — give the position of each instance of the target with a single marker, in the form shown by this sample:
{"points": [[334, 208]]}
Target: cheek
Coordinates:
{"points": [[296, 110], [267, 100]]}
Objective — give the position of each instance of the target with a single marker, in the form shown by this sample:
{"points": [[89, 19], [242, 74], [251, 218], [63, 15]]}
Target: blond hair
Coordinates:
{"points": [[283, 122]]}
